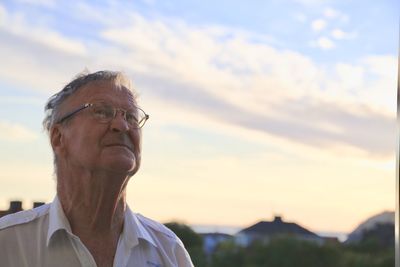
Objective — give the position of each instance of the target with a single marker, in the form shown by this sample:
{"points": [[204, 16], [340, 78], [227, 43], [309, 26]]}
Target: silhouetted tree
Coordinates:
{"points": [[228, 254], [289, 252], [286, 251], [192, 241]]}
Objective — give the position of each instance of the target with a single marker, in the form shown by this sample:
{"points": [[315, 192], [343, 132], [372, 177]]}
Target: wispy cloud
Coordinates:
{"points": [[341, 35], [224, 74], [338, 34], [331, 13], [323, 43], [318, 25], [16, 24], [37, 57], [335, 14], [44, 3], [328, 27], [255, 86]]}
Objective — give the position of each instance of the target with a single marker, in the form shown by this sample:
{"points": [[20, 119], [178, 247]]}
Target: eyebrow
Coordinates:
{"points": [[101, 100]]}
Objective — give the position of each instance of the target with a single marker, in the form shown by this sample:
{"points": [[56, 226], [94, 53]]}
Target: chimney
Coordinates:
{"points": [[278, 219], [15, 206]]}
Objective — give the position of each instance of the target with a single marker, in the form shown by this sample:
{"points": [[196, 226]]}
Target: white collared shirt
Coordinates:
{"points": [[43, 237]]}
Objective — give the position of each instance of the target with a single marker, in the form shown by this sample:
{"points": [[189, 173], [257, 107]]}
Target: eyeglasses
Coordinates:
{"points": [[105, 113]]}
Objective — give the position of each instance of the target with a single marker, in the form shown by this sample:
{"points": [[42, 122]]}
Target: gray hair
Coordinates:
{"points": [[53, 104]]}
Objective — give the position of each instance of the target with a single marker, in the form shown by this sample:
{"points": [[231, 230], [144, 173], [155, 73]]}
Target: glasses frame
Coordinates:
{"points": [[88, 105]]}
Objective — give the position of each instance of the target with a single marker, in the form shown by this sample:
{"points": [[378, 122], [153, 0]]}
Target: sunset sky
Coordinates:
{"points": [[257, 108]]}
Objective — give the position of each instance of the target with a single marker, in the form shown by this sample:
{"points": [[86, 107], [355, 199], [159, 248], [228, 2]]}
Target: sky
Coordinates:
{"points": [[257, 108]]}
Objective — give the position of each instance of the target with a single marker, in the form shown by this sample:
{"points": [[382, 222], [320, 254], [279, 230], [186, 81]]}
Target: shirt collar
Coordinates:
{"points": [[134, 229], [57, 220]]}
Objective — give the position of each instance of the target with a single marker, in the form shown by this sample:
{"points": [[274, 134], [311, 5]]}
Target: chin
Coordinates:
{"points": [[121, 165], [127, 163]]}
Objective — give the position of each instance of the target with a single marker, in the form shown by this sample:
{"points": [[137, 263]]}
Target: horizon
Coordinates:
{"points": [[231, 230], [234, 229], [275, 107]]}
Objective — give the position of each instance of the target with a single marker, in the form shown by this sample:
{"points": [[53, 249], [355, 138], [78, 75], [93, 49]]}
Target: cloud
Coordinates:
{"points": [[318, 25], [252, 85], [334, 14], [338, 34], [227, 76], [331, 13], [305, 120], [381, 65], [341, 35], [350, 77], [3, 14], [45, 3], [16, 133], [17, 25], [360, 83], [324, 43], [37, 57], [380, 87], [34, 65]]}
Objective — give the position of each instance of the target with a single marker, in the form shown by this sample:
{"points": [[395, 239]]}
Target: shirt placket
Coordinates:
{"points": [[85, 257]]}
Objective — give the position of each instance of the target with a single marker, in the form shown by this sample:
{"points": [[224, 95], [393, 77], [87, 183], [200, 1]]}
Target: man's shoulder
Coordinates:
{"points": [[157, 227], [167, 242], [23, 217]]}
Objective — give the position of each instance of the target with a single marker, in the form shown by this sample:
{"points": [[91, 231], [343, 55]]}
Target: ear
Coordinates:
{"points": [[56, 138]]}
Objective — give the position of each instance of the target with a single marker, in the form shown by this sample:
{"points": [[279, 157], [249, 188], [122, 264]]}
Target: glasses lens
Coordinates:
{"points": [[136, 118], [103, 112]]}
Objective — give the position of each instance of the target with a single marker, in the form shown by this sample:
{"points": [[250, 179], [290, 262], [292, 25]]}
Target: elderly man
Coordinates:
{"points": [[94, 125]]}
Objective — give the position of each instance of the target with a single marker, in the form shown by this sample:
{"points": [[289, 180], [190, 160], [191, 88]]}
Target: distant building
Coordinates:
{"points": [[211, 241], [264, 231], [16, 206]]}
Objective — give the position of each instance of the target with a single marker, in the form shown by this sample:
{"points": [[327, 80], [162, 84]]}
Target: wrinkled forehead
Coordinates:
{"points": [[112, 91]]}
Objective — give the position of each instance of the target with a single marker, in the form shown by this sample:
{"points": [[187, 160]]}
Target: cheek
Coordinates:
{"points": [[136, 139], [82, 143]]}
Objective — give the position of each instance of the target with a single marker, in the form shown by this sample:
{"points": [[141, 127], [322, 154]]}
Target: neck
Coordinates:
{"points": [[94, 203]]}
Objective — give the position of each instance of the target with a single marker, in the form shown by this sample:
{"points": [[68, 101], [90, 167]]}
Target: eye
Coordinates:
{"points": [[131, 117], [103, 112]]}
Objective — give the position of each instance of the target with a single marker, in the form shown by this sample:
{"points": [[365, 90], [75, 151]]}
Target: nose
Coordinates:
{"points": [[119, 123]]}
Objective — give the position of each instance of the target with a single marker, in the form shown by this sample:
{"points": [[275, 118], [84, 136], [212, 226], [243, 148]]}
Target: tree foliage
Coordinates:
{"points": [[286, 252], [193, 242]]}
